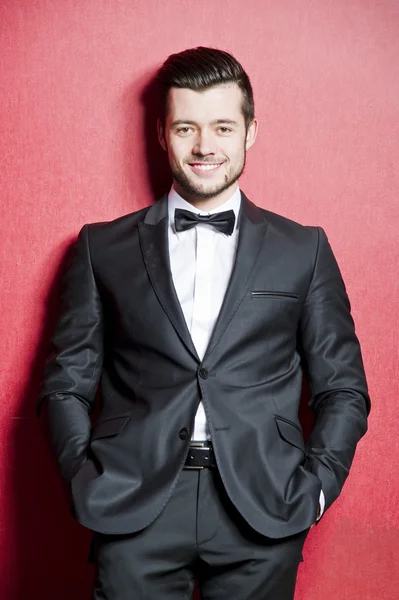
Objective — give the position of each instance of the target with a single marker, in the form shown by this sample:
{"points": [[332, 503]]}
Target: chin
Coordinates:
{"points": [[196, 187], [208, 191]]}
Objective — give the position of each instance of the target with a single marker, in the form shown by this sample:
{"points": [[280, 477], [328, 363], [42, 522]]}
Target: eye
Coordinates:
{"points": [[183, 130], [224, 130]]}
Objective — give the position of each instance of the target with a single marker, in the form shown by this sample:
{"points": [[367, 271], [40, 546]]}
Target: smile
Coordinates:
{"points": [[205, 167]]}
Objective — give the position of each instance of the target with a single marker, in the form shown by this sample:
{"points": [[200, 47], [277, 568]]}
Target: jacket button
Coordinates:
{"points": [[203, 373], [184, 433]]}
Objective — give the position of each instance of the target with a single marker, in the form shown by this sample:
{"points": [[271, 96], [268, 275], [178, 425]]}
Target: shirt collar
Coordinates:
{"points": [[176, 201]]}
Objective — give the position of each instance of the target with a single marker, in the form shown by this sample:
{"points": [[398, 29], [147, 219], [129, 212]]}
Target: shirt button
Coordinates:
{"points": [[203, 373], [184, 433]]}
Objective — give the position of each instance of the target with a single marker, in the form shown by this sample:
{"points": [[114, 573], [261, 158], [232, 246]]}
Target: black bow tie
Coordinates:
{"points": [[223, 221]]}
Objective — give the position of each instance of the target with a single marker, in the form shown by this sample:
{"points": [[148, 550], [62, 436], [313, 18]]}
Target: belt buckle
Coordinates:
{"points": [[197, 446]]}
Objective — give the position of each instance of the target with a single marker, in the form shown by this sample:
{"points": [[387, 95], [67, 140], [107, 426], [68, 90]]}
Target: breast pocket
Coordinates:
{"points": [[275, 314], [274, 294]]}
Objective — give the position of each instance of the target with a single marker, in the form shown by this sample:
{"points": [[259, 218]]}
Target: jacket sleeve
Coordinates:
{"points": [[74, 366], [334, 367]]}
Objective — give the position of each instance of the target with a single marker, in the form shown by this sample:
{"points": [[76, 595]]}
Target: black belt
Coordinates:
{"points": [[200, 456]]}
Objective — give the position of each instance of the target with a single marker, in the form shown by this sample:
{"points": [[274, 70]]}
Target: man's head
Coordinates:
{"points": [[207, 123]]}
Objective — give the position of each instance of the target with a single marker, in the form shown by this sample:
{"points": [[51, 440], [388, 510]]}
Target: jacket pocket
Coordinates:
{"points": [[109, 427], [273, 294], [290, 432]]}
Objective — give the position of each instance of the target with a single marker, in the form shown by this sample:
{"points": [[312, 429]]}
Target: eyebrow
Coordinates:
{"points": [[215, 122]]}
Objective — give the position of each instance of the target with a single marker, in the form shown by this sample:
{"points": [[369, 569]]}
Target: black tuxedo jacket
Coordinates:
{"points": [[122, 327]]}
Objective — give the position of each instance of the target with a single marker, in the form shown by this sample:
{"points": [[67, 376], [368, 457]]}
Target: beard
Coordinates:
{"points": [[205, 193]]}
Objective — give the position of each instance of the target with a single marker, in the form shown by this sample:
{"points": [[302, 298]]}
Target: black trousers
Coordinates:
{"points": [[198, 536]]}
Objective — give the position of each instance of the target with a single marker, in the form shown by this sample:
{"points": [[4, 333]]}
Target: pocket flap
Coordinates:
{"points": [[290, 432], [109, 427]]}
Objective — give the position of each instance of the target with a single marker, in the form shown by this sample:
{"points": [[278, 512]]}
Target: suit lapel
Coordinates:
{"points": [[252, 232], [154, 246]]}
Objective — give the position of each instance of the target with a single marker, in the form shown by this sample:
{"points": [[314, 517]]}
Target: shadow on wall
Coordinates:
{"points": [[140, 132], [51, 549], [158, 172]]}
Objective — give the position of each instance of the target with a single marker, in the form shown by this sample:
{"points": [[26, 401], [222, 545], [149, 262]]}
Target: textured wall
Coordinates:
{"points": [[77, 145]]}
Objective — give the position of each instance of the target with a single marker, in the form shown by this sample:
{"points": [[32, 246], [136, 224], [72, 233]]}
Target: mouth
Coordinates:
{"points": [[205, 168]]}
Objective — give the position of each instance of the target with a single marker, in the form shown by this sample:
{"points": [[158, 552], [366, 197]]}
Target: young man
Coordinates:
{"points": [[198, 315]]}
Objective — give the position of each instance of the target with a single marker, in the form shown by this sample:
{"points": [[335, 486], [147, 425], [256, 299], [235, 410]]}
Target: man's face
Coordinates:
{"points": [[206, 140]]}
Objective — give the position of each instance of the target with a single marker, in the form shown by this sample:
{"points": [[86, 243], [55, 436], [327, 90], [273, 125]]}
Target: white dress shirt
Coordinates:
{"points": [[201, 262]]}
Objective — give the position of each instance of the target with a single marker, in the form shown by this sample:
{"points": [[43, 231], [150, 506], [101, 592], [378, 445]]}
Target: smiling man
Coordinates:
{"points": [[197, 317], [206, 155]]}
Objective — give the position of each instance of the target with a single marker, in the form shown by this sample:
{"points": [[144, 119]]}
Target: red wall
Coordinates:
{"points": [[73, 128]]}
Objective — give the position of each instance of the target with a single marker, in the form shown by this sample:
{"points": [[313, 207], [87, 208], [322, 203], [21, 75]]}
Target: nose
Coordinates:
{"points": [[204, 144]]}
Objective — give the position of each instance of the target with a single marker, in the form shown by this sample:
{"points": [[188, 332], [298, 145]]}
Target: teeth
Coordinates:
{"points": [[206, 167]]}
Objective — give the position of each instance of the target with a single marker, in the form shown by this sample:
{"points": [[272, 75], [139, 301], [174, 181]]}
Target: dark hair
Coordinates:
{"points": [[201, 68]]}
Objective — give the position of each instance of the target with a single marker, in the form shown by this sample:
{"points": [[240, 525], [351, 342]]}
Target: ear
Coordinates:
{"points": [[252, 132], [161, 134]]}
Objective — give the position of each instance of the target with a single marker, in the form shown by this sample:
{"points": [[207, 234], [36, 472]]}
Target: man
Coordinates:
{"points": [[198, 316]]}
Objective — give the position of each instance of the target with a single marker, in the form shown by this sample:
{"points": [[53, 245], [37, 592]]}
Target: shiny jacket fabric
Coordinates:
{"points": [[121, 328]]}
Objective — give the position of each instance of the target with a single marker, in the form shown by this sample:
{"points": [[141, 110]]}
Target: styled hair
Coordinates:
{"points": [[202, 68]]}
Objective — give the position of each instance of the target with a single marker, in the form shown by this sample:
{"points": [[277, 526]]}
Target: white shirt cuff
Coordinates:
{"points": [[322, 505]]}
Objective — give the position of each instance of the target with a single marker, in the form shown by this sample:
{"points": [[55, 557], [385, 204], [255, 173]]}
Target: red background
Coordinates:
{"points": [[74, 120]]}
